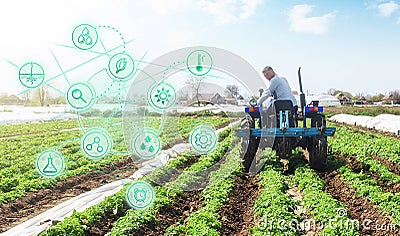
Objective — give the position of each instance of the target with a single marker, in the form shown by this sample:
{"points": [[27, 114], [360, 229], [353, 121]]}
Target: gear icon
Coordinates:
{"points": [[203, 139]]}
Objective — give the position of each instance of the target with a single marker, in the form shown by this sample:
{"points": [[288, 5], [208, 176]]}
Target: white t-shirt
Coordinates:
{"points": [[278, 88]]}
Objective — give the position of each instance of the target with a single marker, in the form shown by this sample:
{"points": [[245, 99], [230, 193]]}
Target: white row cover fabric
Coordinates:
{"points": [[384, 122]]}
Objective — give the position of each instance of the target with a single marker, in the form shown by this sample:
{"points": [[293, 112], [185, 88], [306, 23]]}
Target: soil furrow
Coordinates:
{"points": [[183, 206], [395, 168], [371, 220], [237, 216], [358, 167]]}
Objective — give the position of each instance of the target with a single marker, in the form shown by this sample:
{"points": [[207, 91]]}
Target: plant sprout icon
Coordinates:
{"points": [[84, 37], [162, 95]]}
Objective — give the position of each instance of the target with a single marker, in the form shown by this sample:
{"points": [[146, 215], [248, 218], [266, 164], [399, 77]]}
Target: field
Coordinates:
{"points": [[357, 195]]}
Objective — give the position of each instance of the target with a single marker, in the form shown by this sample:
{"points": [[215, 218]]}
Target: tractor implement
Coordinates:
{"points": [[278, 128]]}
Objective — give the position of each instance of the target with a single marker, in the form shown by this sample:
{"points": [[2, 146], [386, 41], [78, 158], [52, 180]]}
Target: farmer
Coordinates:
{"points": [[278, 89]]}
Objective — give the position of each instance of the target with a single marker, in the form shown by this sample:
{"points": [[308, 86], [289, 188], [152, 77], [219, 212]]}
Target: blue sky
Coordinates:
{"points": [[349, 45]]}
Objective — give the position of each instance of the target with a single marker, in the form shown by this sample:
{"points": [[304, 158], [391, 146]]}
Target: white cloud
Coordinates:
{"points": [[387, 9], [299, 22], [249, 8], [227, 11]]}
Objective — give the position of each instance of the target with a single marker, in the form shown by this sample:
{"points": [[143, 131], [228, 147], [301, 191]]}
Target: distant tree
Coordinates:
{"points": [[333, 91], [376, 98], [26, 97], [182, 96], [196, 83], [232, 91], [395, 96], [40, 95]]}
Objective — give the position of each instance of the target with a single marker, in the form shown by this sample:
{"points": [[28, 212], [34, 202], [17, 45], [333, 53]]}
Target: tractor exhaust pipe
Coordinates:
{"points": [[302, 97]]}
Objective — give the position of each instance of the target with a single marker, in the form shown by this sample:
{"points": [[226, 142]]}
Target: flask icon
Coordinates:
{"points": [[50, 168]]}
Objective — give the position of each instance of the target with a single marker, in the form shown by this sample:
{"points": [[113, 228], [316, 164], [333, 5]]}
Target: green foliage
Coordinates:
{"points": [[273, 206], [322, 207], [205, 221]]}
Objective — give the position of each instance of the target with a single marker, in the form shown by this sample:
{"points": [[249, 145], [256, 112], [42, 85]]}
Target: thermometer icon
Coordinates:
{"points": [[200, 59]]}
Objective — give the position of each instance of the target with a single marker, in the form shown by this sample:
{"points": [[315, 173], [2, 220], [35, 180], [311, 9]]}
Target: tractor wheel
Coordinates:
{"points": [[317, 153], [249, 143]]}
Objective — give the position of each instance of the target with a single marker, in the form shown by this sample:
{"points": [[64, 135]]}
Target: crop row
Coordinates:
{"points": [[205, 221], [350, 143], [17, 163], [328, 214], [131, 219], [273, 207]]}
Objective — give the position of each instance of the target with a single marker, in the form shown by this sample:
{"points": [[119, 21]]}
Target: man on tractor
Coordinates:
{"points": [[278, 88]]}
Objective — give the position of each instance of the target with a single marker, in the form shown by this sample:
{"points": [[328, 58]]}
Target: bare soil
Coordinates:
{"points": [[237, 215], [359, 207], [358, 167]]}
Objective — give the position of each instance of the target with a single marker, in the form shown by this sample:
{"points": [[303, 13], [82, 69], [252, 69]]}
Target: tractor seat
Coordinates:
{"points": [[283, 105], [286, 105]]}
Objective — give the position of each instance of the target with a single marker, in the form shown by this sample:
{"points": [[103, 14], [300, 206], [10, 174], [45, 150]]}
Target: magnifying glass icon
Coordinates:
{"points": [[77, 94]]}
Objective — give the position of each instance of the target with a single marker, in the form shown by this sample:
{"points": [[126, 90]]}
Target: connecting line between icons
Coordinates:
{"points": [[56, 89], [73, 68], [151, 76], [11, 63], [105, 50], [59, 66]]}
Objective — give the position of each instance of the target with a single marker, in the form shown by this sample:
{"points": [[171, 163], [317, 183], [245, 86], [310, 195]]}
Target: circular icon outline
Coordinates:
{"points": [[84, 144], [145, 132], [78, 38], [31, 74], [121, 78], [78, 108], [190, 67], [143, 185], [151, 94], [42, 172], [195, 139]]}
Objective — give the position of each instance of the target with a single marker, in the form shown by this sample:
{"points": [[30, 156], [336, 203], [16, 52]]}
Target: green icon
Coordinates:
{"points": [[121, 66], [140, 195], [31, 75], [80, 96], [146, 144], [161, 96], [199, 62], [84, 36], [96, 143], [203, 139], [50, 163]]}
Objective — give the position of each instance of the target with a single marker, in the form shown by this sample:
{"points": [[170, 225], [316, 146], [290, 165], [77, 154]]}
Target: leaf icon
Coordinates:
{"points": [[120, 65]]}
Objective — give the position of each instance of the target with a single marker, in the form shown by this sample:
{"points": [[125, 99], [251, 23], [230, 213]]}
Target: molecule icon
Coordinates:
{"points": [[96, 140]]}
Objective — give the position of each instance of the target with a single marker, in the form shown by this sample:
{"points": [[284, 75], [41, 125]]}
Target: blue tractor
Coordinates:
{"points": [[277, 127]]}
